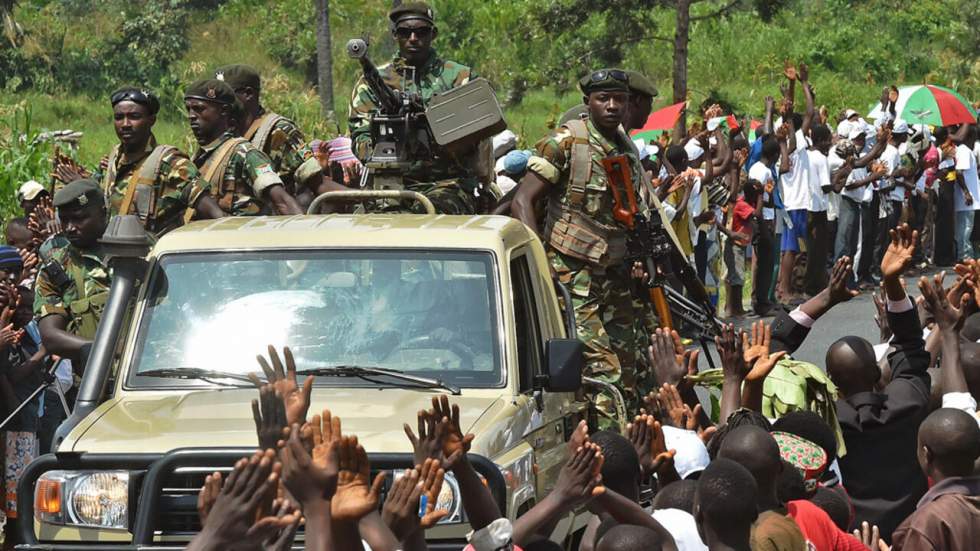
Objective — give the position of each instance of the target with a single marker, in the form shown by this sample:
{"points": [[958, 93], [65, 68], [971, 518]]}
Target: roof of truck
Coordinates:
{"points": [[351, 231]]}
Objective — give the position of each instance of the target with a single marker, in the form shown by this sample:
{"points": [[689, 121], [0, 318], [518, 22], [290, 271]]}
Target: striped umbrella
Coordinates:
{"points": [[929, 104]]}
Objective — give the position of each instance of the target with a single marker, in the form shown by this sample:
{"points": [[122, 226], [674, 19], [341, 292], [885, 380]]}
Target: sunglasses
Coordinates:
{"points": [[138, 96], [407, 32], [614, 74]]}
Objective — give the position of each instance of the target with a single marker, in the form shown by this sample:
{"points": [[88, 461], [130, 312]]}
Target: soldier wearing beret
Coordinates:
{"points": [[585, 242], [156, 182], [73, 283], [273, 134], [642, 92], [240, 176], [448, 181]]}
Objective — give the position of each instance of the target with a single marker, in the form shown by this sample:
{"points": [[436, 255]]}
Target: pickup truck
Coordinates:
{"points": [[461, 305]]}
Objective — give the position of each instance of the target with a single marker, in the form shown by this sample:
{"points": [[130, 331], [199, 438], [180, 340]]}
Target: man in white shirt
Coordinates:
{"points": [[893, 185], [794, 187], [967, 194], [763, 240], [817, 242]]}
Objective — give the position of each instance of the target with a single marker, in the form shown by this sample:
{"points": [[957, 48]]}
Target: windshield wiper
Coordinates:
{"points": [[196, 373], [367, 372]]}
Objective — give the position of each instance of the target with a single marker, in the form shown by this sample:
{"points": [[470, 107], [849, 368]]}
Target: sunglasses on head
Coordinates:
{"points": [[407, 32], [137, 96], [614, 74]]}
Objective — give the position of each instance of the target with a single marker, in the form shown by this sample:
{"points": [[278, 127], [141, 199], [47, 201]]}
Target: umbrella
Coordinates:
{"points": [[658, 121], [928, 104]]}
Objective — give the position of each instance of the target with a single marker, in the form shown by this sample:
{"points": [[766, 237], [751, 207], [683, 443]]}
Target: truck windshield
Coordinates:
{"points": [[426, 313]]}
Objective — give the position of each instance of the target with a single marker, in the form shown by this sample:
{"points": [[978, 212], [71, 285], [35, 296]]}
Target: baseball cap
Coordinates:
{"points": [[844, 128], [900, 127], [850, 113], [515, 162], [29, 190], [857, 132], [693, 149], [692, 455]]}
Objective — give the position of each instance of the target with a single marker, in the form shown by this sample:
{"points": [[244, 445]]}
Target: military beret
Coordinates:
{"points": [[77, 194], [239, 76], [411, 10], [640, 84], [213, 90], [613, 80], [141, 96]]}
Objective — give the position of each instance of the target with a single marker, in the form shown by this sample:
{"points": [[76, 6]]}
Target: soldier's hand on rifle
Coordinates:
{"points": [[296, 399]]}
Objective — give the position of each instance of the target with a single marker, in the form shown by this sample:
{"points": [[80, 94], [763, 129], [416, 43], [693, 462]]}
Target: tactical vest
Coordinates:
{"points": [[85, 312], [260, 130], [141, 188], [569, 229], [213, 172]]}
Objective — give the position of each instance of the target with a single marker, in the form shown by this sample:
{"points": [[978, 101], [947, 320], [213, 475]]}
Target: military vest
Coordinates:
{"points": [[569, 229], [86, 309], [140, 197], [213, 172], [260, 130]]}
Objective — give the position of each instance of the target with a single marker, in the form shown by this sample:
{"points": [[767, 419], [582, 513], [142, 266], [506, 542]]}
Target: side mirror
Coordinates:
{"points": [[566, 360]]}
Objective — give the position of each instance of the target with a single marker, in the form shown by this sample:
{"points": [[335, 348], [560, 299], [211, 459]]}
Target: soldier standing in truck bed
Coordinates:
{"points": [[273, 134], [240, 176], [156, 182], [450, 182], [586, 243]]}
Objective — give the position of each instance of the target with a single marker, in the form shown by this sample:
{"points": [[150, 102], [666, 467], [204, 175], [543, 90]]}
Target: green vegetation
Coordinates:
{"points": [[72, 53]]}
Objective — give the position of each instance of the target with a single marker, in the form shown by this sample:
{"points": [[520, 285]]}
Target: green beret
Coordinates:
{"points": [[612, 80], [239, 76], [213, 90], [411, 10], [78, 194], [640, 84]]}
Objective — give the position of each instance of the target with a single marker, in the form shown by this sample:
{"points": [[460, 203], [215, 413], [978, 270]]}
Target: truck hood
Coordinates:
{"points": [[157, 422]]}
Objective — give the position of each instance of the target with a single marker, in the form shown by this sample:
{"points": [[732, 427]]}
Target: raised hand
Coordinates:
{"points": [[428, 443], [296, 399], [579, 437], [401, 510], [207, 496], [647, 436], [679, 413], [309, 478], [269, 414], [770, 103], [666, 356], [278, 530], [756, 352], [837, 290], [870, 537], [579, 480], [898, 256], [937, 303], [356, 496], [455, 444], [232, 516], [803, 73], [730, 347]]}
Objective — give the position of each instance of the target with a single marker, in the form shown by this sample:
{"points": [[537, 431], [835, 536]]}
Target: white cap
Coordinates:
{"points": [[29, 190], [641, 148], [693, 149], [900, 127], [857, 131], [844, 128], [652, 150], [503, 142], [849, 113], [691, 456]]}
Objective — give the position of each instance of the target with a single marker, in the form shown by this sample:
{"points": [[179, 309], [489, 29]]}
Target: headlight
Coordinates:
{"points": [[448, 499], [97, 499]]}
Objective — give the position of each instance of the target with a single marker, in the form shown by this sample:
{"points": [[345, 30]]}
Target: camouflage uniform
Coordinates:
{"points": [[80, 293], [177, 187], [286, 148], [605, 310], [445, 180], [247, 174]]}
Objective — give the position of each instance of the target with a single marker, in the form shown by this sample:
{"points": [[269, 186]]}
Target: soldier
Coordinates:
{"points": [[241, 177], [449, 181], [73, 283], [273, 134], [584, 240], [156, 182], [642, 92]]}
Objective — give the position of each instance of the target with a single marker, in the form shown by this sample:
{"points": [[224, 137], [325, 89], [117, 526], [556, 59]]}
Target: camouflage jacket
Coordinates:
{"points": [[247, 174], [178, 186], [437, 75], [284, 145], [73, 283], [552, 162]]}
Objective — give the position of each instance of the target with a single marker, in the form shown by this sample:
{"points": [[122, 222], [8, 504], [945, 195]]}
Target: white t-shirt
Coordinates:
{"points": [[892, 159], [966, 164], [861, 194], [795, 184], [818, 176], [761, 173]]}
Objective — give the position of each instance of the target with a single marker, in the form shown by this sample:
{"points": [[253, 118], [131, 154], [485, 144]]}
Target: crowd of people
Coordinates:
{"points": [[807, 210]]}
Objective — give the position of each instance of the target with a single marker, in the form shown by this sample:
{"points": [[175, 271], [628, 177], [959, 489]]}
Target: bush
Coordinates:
{"points": [[23, 156]]}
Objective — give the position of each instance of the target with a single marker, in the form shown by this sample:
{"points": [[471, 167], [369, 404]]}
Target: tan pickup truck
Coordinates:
{"points": [[386, 312]]}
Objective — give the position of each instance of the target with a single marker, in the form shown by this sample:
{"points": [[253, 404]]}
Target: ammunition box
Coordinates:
{"points": [[461, 117]]}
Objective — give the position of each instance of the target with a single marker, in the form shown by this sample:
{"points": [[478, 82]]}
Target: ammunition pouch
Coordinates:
{"points": [[578, 235], [86, 313]]}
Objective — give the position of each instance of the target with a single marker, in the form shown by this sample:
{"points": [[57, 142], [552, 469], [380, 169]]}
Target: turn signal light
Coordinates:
{"points": [[47, 496]]}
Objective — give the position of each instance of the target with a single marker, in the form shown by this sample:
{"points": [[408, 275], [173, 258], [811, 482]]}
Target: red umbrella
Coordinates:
{"points": [[658, 121]]}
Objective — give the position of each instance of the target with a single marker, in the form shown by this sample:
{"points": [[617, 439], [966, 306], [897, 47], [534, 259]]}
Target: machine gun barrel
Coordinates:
{"points": [[390, 102]]}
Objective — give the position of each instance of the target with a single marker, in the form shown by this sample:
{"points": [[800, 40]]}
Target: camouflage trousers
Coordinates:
{"points": [[614, 326]]}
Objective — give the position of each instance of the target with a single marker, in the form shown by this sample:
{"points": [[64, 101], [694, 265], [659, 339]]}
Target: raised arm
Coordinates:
{"points": [[948, 319], [810, 113]]}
